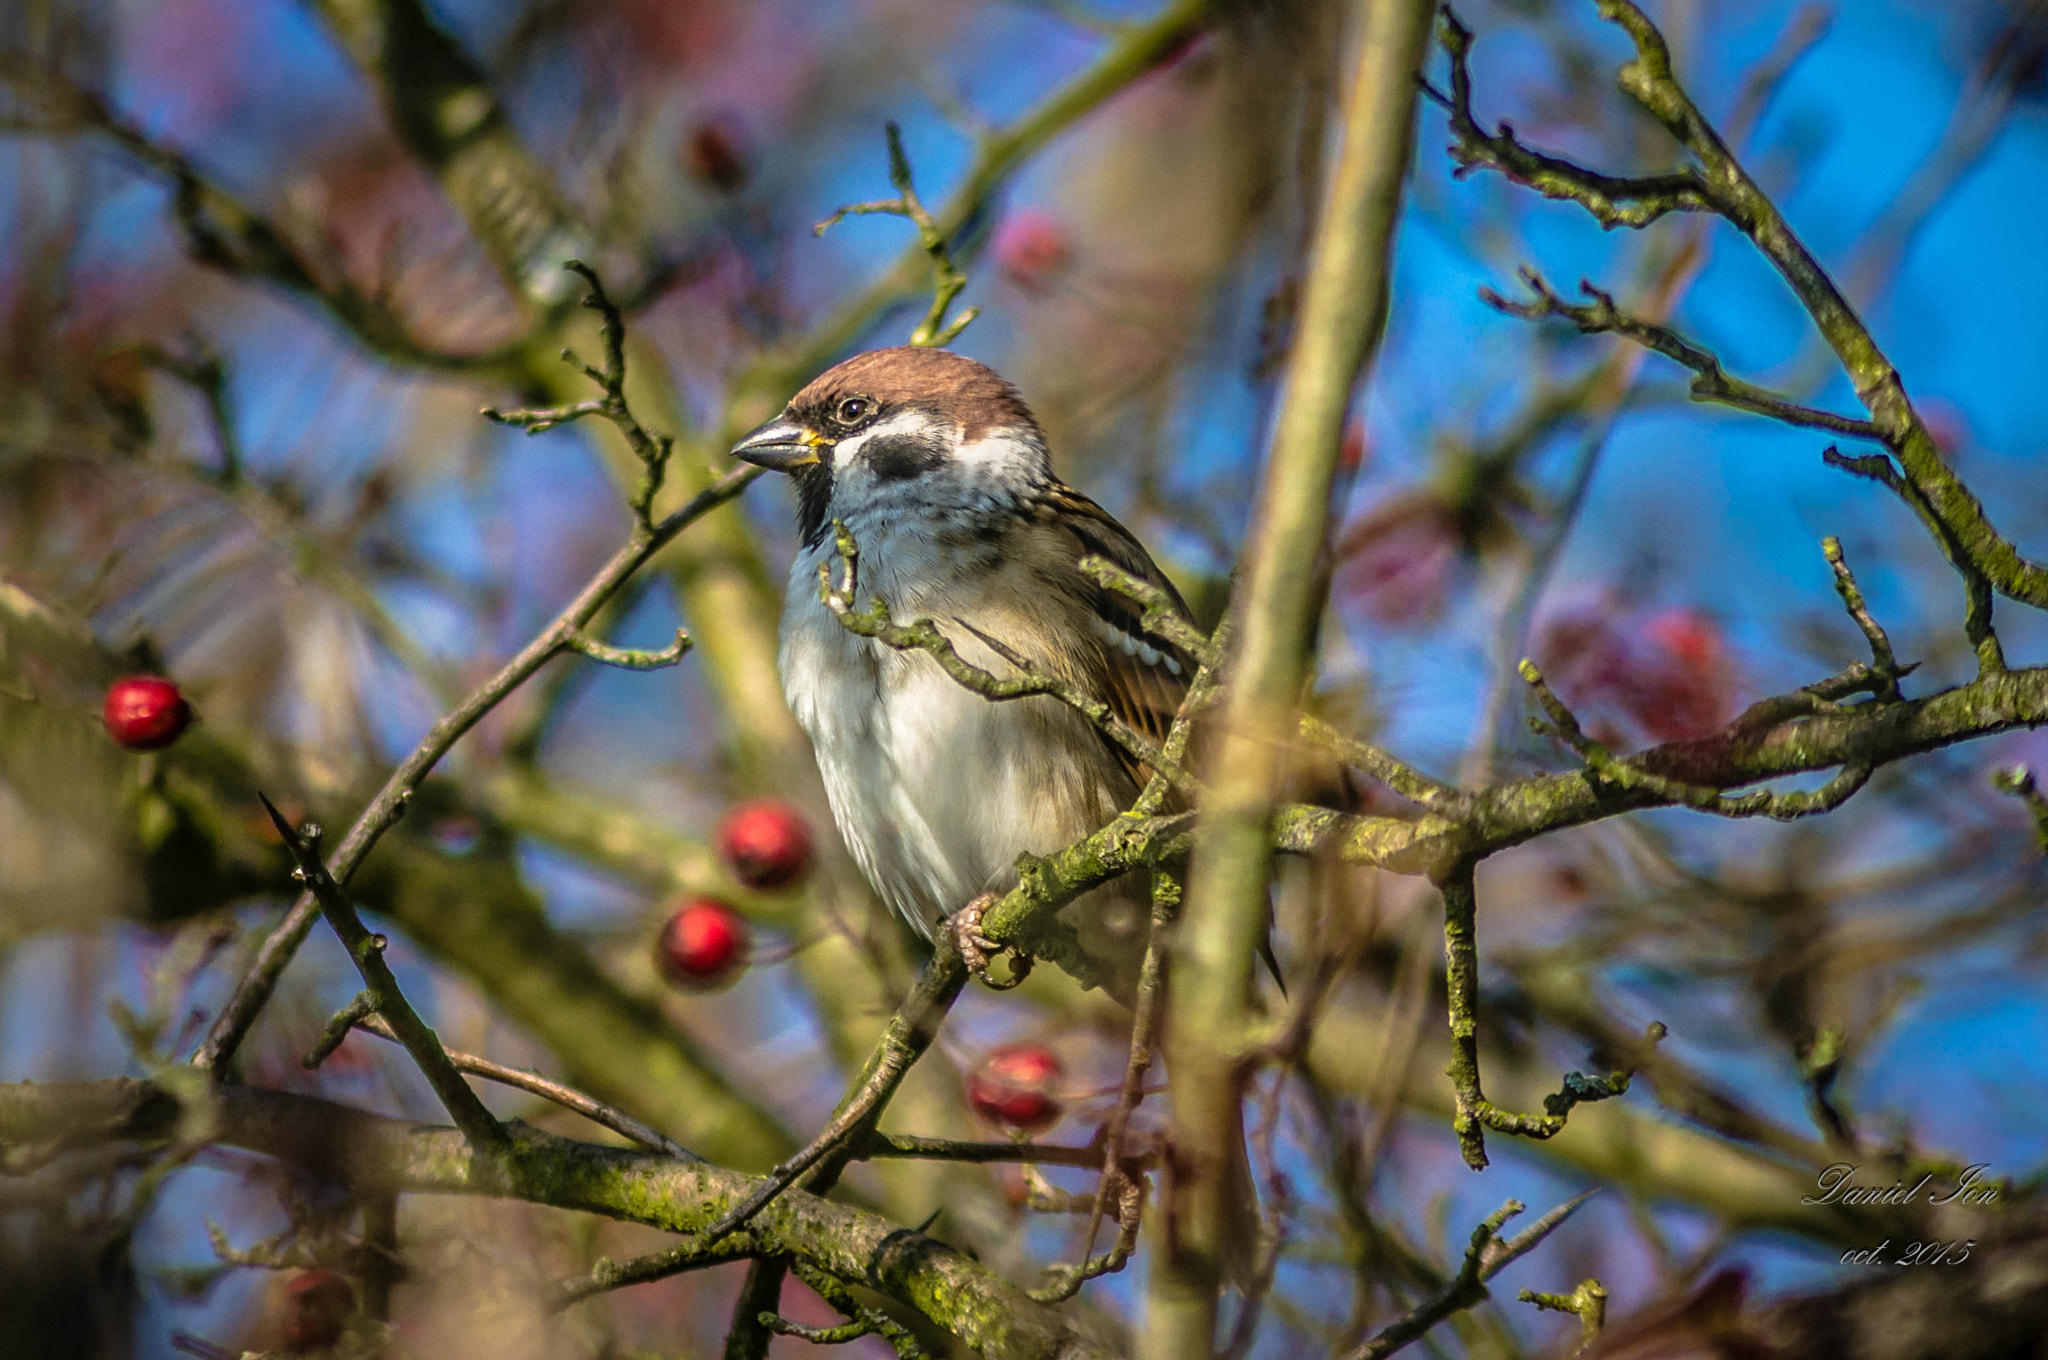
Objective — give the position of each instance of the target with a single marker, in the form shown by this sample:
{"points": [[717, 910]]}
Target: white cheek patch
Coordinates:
{"points": [[1006, 455]]}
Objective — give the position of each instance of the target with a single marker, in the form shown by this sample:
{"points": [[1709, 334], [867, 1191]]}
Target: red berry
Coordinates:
{"points": [[766, 843], [1013, 1088], [145, 712], [317, 1302], [704, 945]]}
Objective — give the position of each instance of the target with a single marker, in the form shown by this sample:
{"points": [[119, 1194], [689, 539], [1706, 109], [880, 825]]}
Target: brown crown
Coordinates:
{"points": [[949, 385]]}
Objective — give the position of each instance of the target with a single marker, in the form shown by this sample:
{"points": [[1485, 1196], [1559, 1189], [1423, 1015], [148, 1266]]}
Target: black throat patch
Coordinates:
{"points": [[813, 499]]}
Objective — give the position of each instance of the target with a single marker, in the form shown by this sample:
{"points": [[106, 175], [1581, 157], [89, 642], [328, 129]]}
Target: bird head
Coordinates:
{"points": [[903, 434]]}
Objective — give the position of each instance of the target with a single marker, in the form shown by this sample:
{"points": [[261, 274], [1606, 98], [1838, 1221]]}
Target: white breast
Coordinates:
{"points": [[935, 789]]}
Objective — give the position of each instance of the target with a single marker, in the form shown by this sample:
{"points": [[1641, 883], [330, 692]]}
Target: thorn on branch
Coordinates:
{"points": [[1885, 666], [947, 279]]}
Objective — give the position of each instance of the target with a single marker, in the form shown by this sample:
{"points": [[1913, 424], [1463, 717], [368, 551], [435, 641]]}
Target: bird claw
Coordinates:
{"points": [[976, 949]]}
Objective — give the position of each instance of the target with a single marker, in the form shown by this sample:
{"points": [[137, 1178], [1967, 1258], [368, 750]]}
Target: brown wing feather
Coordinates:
{"points": [[1144, 693]]}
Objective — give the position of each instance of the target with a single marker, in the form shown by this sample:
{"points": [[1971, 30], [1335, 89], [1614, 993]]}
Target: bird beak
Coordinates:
{"points": [[781, 446]]}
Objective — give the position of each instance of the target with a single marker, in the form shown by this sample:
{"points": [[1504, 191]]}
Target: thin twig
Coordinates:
{"points": [[1486, 1256], [947, 280], [642, 542], [910, 1032], [478, 1125], [617, 1120], [1710, 382]]}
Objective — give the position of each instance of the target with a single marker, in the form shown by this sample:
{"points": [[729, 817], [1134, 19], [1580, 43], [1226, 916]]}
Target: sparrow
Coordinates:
{"points": [[936, 466], [939, 470]]}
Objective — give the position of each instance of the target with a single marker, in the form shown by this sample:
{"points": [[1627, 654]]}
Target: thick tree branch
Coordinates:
{"points": [[371, 1152]]}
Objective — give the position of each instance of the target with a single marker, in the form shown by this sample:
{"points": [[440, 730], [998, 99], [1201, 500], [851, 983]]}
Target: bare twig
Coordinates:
{"points": [[1474, 1112], [861, 1320], [1486, 1257], [617, 1120], [1602, 317], [1883, 662], [1613, 201], [478, 1125], [1115, 1181], [947, 280], [1588, 1303], [1605, 766], [651, 449], [910, 1032]]}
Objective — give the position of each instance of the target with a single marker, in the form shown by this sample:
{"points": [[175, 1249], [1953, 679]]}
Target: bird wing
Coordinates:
{"points": [[1140, 676]]}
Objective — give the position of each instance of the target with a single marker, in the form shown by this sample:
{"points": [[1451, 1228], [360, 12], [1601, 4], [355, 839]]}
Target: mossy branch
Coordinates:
{"points": [[369, 1152]]}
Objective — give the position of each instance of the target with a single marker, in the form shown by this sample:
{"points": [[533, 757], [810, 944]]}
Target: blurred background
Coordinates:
{"points": [[256, 281]]}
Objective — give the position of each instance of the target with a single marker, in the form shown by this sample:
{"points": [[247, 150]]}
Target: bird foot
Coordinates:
{"points": [[976, 948]]}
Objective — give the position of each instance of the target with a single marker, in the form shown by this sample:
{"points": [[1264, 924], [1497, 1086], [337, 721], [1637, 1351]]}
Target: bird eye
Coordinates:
{"points": [[852, 411]]}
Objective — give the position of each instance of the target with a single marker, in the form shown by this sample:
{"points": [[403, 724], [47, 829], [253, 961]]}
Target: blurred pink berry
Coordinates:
{"points": [[1663, 676], [1031, 248], [1397, 561]]}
